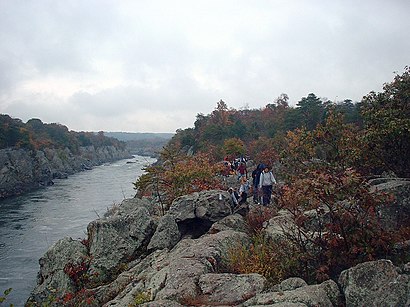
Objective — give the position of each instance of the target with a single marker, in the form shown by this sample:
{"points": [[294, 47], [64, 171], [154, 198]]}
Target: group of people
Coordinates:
{"points": [[236, 166], [262, 186]]}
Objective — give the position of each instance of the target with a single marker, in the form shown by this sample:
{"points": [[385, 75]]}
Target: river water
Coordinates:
{"points": [[30, 224]]}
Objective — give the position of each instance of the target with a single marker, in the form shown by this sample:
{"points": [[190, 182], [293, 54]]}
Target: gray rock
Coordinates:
{"points": [[195, 213], [206, 205], [406, 268], [167, 234], [192, 258], [292, 284], [129, 206], [16, 173], [395, 214], [333, 292], [118, 239], [230, 289], [277, 227], [325, 294], [162, 303], [231, 222], [145, 276], [190, 216], [375, 283], [52, 279]]}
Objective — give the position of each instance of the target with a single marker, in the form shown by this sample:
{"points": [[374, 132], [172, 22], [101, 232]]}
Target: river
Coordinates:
{"points": [[31, 223]]}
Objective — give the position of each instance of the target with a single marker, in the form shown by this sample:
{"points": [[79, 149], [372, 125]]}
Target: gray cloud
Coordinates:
{"points": [[152, 66]]}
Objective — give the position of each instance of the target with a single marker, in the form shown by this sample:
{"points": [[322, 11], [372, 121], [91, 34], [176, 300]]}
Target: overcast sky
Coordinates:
{"points": [[152, 66]]}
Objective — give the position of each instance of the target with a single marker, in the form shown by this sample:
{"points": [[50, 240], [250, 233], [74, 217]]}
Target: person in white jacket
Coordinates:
{"points": [[266, 182]]}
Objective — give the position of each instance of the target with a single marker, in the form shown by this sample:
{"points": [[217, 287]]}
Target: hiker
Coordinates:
{"points": [[226, 171], [255, 182], [243, 190], [242, 171], [234, 197], [266, 181]]}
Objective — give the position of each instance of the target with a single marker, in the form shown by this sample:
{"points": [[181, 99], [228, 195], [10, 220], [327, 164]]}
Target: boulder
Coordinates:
{"points": [[291, 284], [118, 239], [190, 216], [167, 234], [278, 226], [192, 258], [375, 283], [129, 206], [146, 276], [195, 213], [231, 222], [395, 214], [230, 289], [324, 294], [52, 278]]}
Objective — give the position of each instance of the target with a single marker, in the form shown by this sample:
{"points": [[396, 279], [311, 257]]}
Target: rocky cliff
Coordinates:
{"points": [[22, 170], [134, 256]]}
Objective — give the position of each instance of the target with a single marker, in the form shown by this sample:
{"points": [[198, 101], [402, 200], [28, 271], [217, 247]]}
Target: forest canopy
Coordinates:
{"points": [[38, 135]]}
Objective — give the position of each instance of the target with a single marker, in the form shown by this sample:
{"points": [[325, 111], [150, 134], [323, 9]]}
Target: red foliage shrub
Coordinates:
{"points": [[258, 216]]}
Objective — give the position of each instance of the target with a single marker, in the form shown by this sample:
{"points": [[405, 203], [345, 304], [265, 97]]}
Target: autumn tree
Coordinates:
{"points": [[387, 125], [263, 150], [13, 133], [322, 183], [336, 221], [220, 114], [312, 110], [233, 148], [177, 175]]}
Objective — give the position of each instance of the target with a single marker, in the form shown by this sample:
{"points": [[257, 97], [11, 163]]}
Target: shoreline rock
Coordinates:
{"points": [[23, 170]]}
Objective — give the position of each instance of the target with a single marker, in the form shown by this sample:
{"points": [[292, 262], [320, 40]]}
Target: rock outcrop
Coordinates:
{"points": [[22, 170], [53, 275], [136, 257], [377, 283], [398, 212], [324, 294], [116, 240]]}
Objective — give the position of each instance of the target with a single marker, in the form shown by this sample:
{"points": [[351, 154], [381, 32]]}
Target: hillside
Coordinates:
{"points": [[33, 154], [144, 144], [138, 136], [34, 134]]}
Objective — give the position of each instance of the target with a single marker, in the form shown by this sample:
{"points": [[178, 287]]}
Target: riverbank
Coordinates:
{"points": [[24, 170]]}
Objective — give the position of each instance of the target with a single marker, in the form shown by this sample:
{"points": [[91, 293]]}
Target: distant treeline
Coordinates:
{"points": [[38, 135], [139, 136], [144, 144]]}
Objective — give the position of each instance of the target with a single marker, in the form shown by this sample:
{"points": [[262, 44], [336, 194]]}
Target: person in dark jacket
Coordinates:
{"points": [[255, 182], [242, 171]]}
